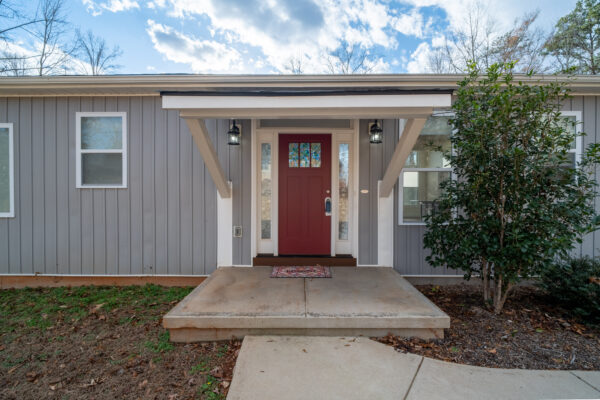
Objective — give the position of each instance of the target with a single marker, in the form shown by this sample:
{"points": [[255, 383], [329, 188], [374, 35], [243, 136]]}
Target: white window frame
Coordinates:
{"points": [[11, 171], [401, 177], [80, 151], [578, 150]]}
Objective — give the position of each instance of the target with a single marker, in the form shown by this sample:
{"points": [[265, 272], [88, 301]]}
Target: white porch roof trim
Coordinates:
{"points": [[323, 106]]}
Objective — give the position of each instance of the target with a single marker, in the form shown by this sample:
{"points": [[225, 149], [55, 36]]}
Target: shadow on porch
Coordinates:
{"points": [[234, 302]]}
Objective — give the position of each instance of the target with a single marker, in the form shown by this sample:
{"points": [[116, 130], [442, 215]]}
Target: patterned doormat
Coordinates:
{"points": [[316, 271]]}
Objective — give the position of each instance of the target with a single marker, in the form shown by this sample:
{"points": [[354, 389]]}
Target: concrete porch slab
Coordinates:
{"points": [[235, 302]]}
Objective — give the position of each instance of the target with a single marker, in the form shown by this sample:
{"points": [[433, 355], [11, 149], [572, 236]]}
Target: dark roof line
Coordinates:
{"points": [[284, 92]]}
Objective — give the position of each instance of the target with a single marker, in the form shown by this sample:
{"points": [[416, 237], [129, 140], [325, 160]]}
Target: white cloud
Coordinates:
{"points": [[419, 59], [411, 24], [203, 56], [285, 29], [96, 8]]}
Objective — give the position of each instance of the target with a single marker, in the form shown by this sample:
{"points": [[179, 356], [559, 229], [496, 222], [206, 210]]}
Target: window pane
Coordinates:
{"points": [[293, 155], [101, 169], [4, 171], [101, 133], [344, 203], [570, 124], [420, 189], [265, 191], [315, 155], [304, 155], [431, 144]]}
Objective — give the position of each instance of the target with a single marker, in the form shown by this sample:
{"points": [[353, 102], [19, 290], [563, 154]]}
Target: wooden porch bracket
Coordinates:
{"points": [[209, 155], [411, 132]]}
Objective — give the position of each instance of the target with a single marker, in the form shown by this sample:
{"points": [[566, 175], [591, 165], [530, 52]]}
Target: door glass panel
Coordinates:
{"points": [[101, 133], [4, 170], [293, 155], [304, 155], [265, 191], [315, 155], [101, 169], [343, 200]]}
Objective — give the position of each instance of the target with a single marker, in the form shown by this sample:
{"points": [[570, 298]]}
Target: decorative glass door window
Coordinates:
{"points": [[304, 155], [101, 150]]}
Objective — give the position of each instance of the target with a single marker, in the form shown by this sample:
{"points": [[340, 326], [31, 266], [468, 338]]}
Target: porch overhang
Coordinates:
{"points": [[380, 103], [337, 103]]}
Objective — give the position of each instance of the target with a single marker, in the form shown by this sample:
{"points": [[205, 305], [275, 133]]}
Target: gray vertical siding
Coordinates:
{"points": [[163, 223], [373, 161], [590, 115]]}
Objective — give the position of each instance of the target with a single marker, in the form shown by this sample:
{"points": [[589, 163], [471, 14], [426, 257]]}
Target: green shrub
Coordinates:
{"points": [[574, 284]]}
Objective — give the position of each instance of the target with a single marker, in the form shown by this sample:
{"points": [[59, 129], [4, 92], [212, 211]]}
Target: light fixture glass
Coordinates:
{"points": [[234, 136], [375, 133]]}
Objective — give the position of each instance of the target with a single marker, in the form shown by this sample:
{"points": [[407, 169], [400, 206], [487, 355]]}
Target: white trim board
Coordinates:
{"points": [[345, 103], [271, 135], [224, 230], [11, 171]]}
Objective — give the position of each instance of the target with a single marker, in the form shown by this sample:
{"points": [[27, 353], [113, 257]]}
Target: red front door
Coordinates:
{"points": [[304, 187]]}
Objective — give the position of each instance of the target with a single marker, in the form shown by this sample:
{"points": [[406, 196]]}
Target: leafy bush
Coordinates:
{"points": [[575, 285]]}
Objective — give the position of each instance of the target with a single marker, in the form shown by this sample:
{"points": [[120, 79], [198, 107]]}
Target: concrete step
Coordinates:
{"points": [[235, 302]]}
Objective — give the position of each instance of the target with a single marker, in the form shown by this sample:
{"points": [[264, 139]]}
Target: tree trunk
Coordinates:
{"points": [[500, 294], [485, 270], [497, 293]]}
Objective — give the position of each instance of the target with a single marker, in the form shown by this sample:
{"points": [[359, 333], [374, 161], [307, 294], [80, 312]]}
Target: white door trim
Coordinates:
{"points": [[271, 135]]}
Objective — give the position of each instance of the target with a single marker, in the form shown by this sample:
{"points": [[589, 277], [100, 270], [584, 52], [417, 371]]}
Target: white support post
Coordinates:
{"points": [[209, 155], [385, 229], [225, 230], [411, 132]]}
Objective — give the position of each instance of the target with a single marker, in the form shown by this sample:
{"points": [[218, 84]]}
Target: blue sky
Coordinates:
{"points": [[252, 36]]}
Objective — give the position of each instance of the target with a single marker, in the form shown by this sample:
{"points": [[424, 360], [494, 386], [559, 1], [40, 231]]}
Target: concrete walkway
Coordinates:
{"points": [[300, 367]]}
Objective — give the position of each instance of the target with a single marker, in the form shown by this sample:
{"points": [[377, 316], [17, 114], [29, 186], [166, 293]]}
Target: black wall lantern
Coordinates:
{"points": [[234, 136], [375, 133]]}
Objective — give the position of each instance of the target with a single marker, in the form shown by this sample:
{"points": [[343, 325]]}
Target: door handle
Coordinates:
{"points": [[328, 206]]}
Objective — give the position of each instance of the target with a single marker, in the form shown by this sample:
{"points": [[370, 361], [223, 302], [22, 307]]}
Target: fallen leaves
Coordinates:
{"points": [[531, 333]]}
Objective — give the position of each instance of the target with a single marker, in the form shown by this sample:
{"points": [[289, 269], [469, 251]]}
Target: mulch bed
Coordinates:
{"points": [[530, 333], [104, 352]]}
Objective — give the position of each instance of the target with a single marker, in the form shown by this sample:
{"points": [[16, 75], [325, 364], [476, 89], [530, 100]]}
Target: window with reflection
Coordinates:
{"points": [[102, 150], [343, 195], [426, 167], [265, 191]]}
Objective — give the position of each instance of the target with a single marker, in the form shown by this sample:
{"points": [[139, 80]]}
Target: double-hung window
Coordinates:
{"points": [[7, 180], [425, 168], [101, 150]]}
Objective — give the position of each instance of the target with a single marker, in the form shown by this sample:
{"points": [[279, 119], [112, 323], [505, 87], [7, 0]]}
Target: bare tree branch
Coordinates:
{"points": [[96, 56], [350, 59]]}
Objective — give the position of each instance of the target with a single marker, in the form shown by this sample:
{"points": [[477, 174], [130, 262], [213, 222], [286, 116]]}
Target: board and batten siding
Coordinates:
{"points": [[164, 222], [409, 254]]}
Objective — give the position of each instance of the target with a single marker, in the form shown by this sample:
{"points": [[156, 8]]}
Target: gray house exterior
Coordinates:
{"points": [[168, 217]]}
